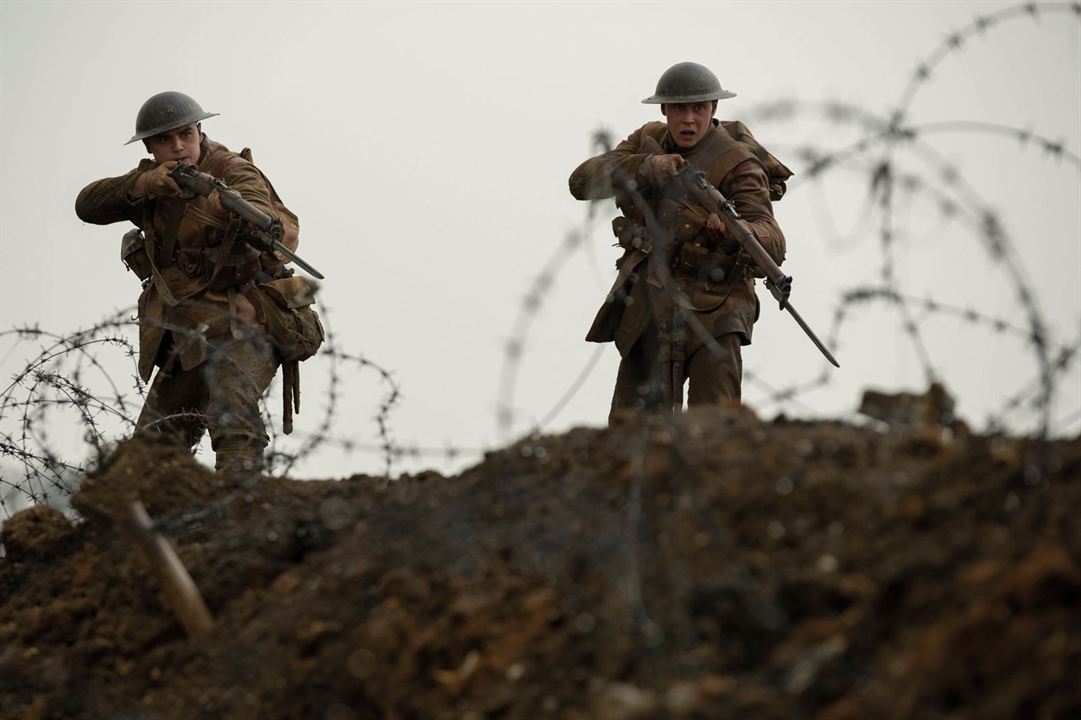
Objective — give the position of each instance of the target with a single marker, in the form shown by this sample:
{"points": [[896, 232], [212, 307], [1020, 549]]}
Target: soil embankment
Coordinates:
{"points": [[719, 567]]}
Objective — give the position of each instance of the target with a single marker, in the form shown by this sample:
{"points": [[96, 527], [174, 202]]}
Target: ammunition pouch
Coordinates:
{"points": [[689, 259], [133, 254], [630, 235], [284, 307], [701, 263]]}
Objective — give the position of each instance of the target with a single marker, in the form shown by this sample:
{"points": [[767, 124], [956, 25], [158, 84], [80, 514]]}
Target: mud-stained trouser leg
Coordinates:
{"points": [[716, 374], [238, 372], [637, 384], [175, 405]]}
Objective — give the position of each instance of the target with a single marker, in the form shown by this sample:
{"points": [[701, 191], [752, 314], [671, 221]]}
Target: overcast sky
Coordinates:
{"points": [[426, 149]]}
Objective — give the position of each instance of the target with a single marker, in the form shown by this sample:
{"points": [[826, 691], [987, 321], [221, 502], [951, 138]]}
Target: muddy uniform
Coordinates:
{"points": [[639, 304], [196, 322]]}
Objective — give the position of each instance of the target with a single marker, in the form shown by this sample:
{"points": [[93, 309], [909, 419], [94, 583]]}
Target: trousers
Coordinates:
{"points": [[220, 395], [713, 375]]}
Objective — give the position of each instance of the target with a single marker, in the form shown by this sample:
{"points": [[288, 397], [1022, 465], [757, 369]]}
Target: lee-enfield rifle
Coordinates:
{"points": [[269, 228], [779, 284]]}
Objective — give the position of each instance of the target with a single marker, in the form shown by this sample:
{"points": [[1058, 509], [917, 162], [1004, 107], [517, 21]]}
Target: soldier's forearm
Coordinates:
{"points": [[109, 200], [769, 237], [748, 189], [599, 177], [138, 188]]}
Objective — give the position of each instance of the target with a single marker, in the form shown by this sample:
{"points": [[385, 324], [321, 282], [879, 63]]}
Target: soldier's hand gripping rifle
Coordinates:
{"points": [[269, 229], [699, 186]]}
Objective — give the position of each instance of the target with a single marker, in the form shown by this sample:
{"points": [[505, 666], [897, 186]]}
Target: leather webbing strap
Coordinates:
{"points": [[225, 249], [172, 226]]}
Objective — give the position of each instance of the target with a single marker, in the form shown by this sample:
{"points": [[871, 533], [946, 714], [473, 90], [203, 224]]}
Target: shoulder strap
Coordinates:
{"points": [[718, 154], [222, 163], [777, 171], [656, 130]]}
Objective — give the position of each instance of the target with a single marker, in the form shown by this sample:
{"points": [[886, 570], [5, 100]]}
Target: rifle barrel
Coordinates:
{"points": [[232, 200]]}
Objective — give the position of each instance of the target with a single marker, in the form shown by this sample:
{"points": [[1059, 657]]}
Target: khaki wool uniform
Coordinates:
{"points": [[633, 313], [215, 362]]}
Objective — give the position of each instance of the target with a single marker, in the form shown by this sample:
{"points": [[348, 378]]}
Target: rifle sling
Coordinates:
{"points": [[172, 226]]}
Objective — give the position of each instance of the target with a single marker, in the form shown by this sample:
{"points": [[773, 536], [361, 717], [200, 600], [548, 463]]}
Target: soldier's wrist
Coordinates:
{"points": [[137, 191], [643, 176]]}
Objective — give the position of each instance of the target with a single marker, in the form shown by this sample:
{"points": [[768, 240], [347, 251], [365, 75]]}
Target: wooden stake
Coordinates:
{"points": [[181, 591]]}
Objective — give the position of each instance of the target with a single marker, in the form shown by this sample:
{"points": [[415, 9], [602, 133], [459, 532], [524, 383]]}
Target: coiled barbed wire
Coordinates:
{"points": [[58, 380]]}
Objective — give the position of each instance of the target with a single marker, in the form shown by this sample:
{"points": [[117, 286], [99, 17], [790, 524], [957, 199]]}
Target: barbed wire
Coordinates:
{"points": [[55, 381], [998, 242], [601, 140], [956, 41], [46, 473]]}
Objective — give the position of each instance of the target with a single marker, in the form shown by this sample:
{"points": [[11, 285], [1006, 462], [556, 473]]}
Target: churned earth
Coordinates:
{"points": [[716, 566]]}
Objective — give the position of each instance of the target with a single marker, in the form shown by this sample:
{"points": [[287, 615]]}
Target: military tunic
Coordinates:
{"points": [[195, 323], [726, 309]]}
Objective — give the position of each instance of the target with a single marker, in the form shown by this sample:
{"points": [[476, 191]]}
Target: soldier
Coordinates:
{"points": [[202, 319], [683, 303]]}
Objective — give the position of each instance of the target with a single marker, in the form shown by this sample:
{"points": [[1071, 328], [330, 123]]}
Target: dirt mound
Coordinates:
{"points": [[714, 567]]}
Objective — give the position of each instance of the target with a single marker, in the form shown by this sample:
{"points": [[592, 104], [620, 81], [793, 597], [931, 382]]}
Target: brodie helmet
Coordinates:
{"points": [[687, 82], [166, 111]]}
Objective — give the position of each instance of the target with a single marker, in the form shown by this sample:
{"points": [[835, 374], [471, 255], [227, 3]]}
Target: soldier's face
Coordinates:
{"points": [[689, 122], [181, 144]]}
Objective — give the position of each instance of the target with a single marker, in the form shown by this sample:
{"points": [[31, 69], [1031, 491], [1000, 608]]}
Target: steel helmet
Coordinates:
{"points": [[687, 82], [166, 111]]}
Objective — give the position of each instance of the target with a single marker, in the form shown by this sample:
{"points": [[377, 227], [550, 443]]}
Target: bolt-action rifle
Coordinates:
{"points": [[268, 228], [779, 284]]}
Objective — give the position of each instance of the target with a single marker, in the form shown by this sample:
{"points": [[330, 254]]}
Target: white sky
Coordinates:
{"points": [[426, 149]]}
